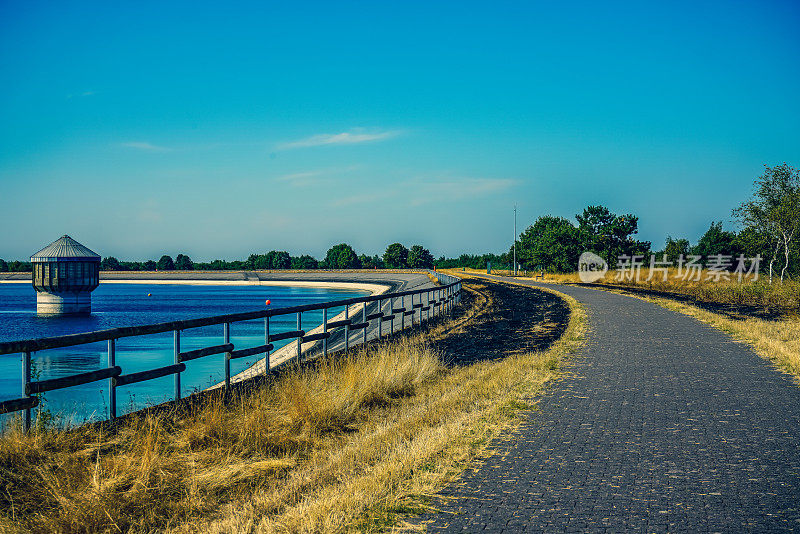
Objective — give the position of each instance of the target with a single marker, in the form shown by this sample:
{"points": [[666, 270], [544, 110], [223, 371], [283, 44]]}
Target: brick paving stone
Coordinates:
{"points": [[663, 424]]}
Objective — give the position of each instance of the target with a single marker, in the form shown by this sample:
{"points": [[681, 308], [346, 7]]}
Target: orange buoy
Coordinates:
{"points": [[268, 302], [149, 294]]}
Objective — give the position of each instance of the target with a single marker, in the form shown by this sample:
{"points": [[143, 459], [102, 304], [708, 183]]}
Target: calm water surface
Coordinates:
{"points": [[115, 305]]}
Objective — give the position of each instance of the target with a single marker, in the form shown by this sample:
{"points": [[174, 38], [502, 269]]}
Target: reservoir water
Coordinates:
{"points": [[115, 305]]}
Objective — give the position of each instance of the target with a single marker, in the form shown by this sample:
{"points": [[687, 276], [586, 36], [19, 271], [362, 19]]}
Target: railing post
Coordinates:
{"points": [[26, 380], [364, 320], [177, 360], [449, 301], [325, 330], [380, 319], [112, 382], [347, 329], [403, 317], [266, 342], [428, 305], [226, 338], [299, 340], [391, 312]]}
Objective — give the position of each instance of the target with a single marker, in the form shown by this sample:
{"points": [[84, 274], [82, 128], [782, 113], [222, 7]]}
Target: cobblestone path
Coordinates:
{"points": [[664, 424]]}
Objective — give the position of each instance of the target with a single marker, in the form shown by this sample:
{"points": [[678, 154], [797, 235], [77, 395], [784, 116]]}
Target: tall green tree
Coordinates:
{"points": [[342, 256], [609, 235], [259, 262], [396, 256], [551, 243], [110, 264], [3, 266], [420, 257], [281, 259], [675, 248], [371, 262], [183, 263], [774, 210], [304, 262], [272, 260], [17, 266], [165, 263], [716, 241]]}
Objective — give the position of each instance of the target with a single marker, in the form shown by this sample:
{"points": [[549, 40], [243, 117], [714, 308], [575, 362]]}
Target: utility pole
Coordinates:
{"points": [[515, 240]]}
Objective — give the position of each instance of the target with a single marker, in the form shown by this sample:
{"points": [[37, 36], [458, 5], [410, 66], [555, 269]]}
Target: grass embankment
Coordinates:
{"points": [[350, 444], [780, 296]]}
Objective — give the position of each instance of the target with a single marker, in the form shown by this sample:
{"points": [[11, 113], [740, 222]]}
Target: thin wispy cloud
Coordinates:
{"points": [[300, 179], [318, 176], [351, 137], [144, 145], [82, 95]]}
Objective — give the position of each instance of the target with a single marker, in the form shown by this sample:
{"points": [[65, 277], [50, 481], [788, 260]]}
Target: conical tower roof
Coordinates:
{"points": [[64, 249]]}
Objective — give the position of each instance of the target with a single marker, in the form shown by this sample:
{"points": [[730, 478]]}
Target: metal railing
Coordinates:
{"points": [[432, 301]]}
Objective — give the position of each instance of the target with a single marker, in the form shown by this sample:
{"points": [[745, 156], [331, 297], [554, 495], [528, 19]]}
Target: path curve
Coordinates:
{"points": [[664, 424]]}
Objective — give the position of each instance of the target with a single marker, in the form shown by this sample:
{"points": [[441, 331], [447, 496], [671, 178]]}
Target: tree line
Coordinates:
{"points": [[341, 256], [770, 224]]}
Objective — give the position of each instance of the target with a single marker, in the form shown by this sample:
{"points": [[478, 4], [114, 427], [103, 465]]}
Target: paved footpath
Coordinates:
{"points": [[665, 424]]}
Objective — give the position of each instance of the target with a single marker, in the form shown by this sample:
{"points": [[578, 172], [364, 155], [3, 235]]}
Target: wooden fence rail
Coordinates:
{"points": [[445, 297]]}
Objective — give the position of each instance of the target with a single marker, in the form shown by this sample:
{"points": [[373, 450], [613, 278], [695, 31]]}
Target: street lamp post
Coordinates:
{"points": [[515, 240]]}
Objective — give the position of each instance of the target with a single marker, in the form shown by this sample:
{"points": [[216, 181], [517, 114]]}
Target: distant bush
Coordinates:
{"points": [[304, 262], [396, 256], [165, 263], [19, 266], [420, 257], [342, 256], [183, 263]]}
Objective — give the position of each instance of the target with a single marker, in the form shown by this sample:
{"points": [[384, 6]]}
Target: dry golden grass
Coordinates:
{"points": [[343, 446], [782, 295]]}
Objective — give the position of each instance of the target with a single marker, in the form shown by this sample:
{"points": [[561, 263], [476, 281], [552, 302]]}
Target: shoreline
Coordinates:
{"points": [[373, 288]]}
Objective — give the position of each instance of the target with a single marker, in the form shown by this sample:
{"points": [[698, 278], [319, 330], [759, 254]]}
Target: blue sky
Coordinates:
{"points": [[218, 130]]}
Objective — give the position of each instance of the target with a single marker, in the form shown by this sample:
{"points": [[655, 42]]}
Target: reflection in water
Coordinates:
{"points": [[55, 363]]}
